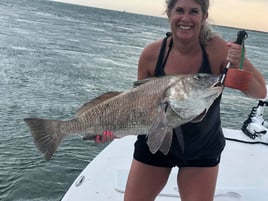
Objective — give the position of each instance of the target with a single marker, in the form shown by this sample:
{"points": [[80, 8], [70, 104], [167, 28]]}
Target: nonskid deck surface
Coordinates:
{"points": [[242, 174]]}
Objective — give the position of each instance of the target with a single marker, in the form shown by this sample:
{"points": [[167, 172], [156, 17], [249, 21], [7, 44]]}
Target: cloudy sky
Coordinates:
{"points": [[248, 14]]}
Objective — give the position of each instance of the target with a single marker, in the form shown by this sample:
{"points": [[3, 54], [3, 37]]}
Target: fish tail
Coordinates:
{"points": [[47, 135]]}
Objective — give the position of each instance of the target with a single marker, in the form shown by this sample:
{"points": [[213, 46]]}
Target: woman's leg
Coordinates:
{"points": [[197, 183], [145, 181]]}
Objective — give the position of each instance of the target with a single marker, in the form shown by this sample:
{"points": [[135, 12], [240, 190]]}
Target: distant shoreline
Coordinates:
{"points": [[127, 12]]}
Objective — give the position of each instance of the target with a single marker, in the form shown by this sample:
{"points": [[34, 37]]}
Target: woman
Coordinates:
{"points": [[190, 48]]}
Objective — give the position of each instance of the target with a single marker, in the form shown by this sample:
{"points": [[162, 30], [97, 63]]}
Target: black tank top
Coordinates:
{"points": [[205, 138], [161, 62]]}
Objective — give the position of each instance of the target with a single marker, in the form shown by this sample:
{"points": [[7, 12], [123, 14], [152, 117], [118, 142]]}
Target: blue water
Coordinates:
{"points": [[54, 57]]}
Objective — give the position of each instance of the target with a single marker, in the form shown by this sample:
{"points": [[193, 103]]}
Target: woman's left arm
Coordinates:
{"points": [[256, 86]]}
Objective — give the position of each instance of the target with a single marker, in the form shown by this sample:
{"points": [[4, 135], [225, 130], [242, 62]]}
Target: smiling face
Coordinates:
{"points": [[186, 19]]}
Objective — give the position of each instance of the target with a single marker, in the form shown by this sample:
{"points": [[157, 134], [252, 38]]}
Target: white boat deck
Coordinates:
{"points": [[242, 175]]}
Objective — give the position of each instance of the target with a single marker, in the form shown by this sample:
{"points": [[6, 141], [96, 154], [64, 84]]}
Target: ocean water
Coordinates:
{"points": [[55, 57]]}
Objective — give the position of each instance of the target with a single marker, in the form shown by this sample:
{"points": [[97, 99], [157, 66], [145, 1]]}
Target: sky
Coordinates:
{"points": [[247, 14]]}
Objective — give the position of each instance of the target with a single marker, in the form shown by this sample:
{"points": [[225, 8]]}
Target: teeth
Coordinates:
{"points": [[184, 27]]}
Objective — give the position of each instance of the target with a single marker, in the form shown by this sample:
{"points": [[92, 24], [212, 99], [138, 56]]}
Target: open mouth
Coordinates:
{"points": [[184, 27], [217, 84], [217, 87]]}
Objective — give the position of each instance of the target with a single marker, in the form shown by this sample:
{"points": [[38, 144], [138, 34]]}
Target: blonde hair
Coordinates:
{"points": [[206, 32]]}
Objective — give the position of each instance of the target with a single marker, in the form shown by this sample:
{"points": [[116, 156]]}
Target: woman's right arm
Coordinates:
{"points": [[147, 60]]}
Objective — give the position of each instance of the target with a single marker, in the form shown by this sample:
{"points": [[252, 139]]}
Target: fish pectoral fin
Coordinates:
{"points": [[159, 139], [159, 133], [200, 117], [166, 144]]}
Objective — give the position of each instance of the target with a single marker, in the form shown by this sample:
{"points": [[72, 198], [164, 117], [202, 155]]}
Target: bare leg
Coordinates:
{"points": [[197, 183], [145, 182]]}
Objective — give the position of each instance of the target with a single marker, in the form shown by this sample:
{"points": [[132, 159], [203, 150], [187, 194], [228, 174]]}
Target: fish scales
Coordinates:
{"points": [[121, 114]]}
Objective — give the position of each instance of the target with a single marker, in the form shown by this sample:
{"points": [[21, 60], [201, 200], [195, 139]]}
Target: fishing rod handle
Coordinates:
{"points": [[241, 36]]}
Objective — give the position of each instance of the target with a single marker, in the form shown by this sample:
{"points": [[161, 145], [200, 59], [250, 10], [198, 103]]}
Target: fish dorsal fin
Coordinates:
{"points": [[96, 101], [140, 82]]}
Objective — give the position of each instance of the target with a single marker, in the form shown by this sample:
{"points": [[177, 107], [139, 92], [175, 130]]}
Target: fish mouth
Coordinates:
{"points": [[217, 84], [217, 88]]}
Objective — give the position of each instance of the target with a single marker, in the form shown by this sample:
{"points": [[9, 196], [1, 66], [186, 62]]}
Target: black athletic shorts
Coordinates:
{"points": [[175, 157]]}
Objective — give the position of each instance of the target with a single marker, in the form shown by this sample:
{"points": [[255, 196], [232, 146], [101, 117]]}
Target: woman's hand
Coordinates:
{"points": [[234, 54]]}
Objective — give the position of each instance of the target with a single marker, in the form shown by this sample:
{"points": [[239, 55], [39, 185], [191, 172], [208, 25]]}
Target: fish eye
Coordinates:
{"points": [[198, 77]]}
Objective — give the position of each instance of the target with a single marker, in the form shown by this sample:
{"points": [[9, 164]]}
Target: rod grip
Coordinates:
{"points": [[241, 36]]}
